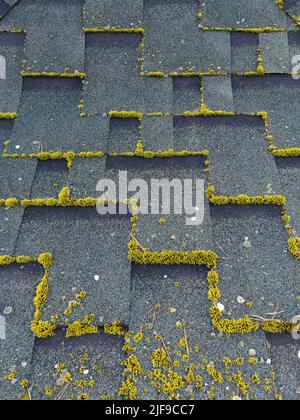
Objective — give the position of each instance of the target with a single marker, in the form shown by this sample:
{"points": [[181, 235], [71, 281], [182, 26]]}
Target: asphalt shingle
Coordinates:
{"points": [[54, 39], [12, 51], [114, 13], [243, 14], [45, 107], [173, 23]]}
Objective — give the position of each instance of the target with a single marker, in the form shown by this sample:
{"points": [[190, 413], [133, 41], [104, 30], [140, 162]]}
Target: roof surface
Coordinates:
{"points": [[213, 80]]}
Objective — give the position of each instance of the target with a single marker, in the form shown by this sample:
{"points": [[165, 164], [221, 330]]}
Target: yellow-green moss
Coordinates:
{"points": [[54, 75], [68, 156], [207, 258], [280, 4], [126, 114], [114, 329], [81, 328], [13, 31], [64, 200], [46, 260], [266, 29], [156, 74], [244, 200], [284, 153], [294, 244], [8, 115], [43, 329], [11, 202], [115, 30], [206, 112], [260, 68], [6, 260]]}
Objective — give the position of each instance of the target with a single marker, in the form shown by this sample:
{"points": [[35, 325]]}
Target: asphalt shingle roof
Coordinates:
{"points": [[213, 76]]}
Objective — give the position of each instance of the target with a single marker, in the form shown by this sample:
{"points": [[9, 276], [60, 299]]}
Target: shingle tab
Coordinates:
{"points": [[114, 13], [173, 23], [55, 40]]}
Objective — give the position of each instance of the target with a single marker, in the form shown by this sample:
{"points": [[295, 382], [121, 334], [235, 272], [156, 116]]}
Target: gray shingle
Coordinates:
{"points": [[218, 93], [114, 81], [275, 52], [285, 358], [243, 14], [55, 39], [46, 105], [276, 94], [255, 271], [77, 266], [244, 52], [12, 49], [115, 13], [173, 41], [104, 352]]}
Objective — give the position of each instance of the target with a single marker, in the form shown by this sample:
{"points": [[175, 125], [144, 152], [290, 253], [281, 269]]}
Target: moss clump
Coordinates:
{"points": [[260, 67], [277, 327], [159, 358], [11, 202], [8, 116], [76, 75], [6, 260], [244, 200], [128, 390], [46, 260], [266, 29], [207, 258], [156, 74], [280, 4], [148, 154], [214, 294], [213, 279], [126, 115], [81, 328], [231, 326], [294, 247], [283, 153], [64, 200], [115, 30], [68, 156], [206, 112], [114, 329], [41, 296], [22, 259], [42, 329]]}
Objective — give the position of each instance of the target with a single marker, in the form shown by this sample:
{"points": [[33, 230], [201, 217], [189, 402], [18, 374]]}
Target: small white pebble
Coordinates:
{"points": [[86, 372], [221, 307], [247, 244], [96, 278], [8, 310], [269, 362], [241, 300], [24, 364], [252, 352]]}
